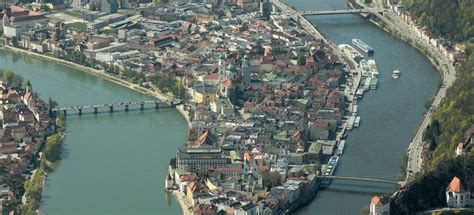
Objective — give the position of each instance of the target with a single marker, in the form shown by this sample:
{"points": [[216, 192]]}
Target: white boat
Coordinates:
{"points": [[363, 46], [357, 122], [373, 68], [365, 68], [332, 164], [396, 74]]}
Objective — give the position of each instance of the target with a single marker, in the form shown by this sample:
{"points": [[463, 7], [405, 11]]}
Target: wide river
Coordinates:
{"points": [[116, 163], [389, 115], [112, 163]]}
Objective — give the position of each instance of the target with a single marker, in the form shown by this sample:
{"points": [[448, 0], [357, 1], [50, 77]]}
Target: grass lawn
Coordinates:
{"points": [[74, 13], [78, 25]]}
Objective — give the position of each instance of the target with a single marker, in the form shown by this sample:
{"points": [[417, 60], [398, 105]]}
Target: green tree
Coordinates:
{"points": [[8, 75], [423, 19], [301, 60]]}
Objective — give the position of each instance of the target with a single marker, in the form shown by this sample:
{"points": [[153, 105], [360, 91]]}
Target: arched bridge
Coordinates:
{"points": [[399, 183], [113, 106]]}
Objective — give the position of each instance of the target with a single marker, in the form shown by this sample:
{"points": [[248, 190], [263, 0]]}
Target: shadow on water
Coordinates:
{"points": [[350, 191], [355, 185]]}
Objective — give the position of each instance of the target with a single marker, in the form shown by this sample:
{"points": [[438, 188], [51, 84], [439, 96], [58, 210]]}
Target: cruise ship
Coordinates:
{"points": [[363, 46], [365, 68], [373, 68], [340, 148], [351, 52]]}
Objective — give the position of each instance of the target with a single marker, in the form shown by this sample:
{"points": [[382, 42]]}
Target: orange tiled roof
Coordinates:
{"points": [[376, 200], [455, 185]]}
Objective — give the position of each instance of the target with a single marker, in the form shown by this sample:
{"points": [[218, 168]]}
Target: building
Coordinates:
{"points": [[109, 6], [456, 195], [265, 9], [246, 72], [17, 20], [379, 206], [200, 159], [168, 181], [459, 149]]}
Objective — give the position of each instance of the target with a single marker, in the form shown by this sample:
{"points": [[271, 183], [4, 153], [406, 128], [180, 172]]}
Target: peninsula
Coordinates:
{"points": [[30, 145]]}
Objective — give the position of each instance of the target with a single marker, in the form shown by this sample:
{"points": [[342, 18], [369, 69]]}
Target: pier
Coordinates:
{"points": [[120, 106]]}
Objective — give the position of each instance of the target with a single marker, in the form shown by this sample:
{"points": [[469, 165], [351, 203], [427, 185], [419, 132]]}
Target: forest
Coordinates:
{"points": [[453, 19], [453, 120]]}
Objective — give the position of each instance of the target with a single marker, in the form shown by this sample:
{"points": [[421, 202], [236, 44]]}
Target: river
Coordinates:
{"points": [[116, 163], [112, 163], [389, 115]]}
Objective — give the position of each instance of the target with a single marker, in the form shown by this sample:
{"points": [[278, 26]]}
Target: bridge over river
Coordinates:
{"points": [[125, 106], [341, 11], [375, 180]]}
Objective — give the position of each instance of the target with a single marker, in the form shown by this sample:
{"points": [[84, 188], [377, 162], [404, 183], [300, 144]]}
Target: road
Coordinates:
{"points": [[447, 70]]}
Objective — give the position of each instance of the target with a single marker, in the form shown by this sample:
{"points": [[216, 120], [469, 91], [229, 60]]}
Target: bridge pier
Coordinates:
{"points": [[142, 106], [65, 112], [126, 108], [80, 111], [96, 110], [111, 109], [157, 105]]}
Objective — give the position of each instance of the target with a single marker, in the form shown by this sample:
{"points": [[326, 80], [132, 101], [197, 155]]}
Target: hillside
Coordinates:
{"points": [[453, 121], [453, 19]]}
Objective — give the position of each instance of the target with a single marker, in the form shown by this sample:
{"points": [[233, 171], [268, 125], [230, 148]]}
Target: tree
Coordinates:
{"points": [[53, 148], [423, 19], [8, 75], [52, 103], [271, 179], [301, 60]]}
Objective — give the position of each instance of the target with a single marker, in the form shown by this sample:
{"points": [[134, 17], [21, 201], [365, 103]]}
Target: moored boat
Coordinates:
{"points": [[332, 164], [365, 68], [373, 83], [373, 68], [357, 122], [367, 82], [363, 46]]}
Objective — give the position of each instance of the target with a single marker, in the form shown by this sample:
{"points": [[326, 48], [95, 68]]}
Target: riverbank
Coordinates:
{"points": [[135, 87], [183, 202], [97, 73], [49, 159], [115, 80]]}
